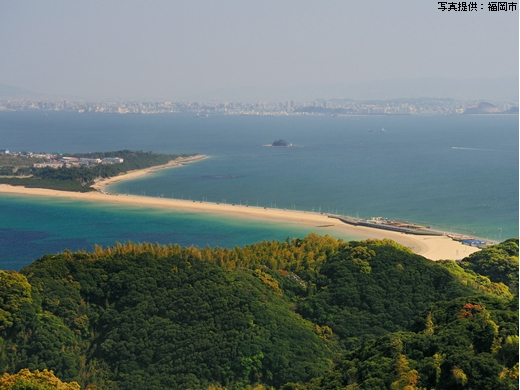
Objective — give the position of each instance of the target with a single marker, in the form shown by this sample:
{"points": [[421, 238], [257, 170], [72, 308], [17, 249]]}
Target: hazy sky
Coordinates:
{"points": [[183, 48]]}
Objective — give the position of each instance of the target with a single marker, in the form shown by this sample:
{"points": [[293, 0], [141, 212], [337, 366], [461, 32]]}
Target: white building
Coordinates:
{"points": [[112, 160], [89, 161]]}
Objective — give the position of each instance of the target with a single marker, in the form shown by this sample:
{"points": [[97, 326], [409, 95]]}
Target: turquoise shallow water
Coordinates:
{"points": [[453, 172], [31, 227]]}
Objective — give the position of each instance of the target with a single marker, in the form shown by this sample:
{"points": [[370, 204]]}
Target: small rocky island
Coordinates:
{"points": [[281, 143]]}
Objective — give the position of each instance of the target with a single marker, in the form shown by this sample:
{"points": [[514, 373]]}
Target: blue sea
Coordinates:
{"points": [[457, 173]]}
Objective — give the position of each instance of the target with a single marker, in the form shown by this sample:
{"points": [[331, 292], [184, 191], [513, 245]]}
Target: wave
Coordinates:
{"points": [[484, 150]]}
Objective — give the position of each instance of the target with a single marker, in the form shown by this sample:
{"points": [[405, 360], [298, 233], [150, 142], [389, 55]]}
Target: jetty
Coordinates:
{"points": [[386, 224], [411, 228]]}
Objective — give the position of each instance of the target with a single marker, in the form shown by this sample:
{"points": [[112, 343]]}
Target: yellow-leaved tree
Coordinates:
{"points": [[37, 380]]}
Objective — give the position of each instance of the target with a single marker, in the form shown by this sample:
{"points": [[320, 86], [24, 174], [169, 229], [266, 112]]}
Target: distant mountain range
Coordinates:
{"points": [[490, 89], [433, 87], [14, 92], [10, 91]]}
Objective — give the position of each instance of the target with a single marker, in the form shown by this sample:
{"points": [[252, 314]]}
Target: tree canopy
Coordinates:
{"points": [[311, 313]]}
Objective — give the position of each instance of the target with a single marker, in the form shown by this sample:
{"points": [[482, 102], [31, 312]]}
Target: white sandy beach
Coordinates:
{"points": [[431, 247], [101, 184]]}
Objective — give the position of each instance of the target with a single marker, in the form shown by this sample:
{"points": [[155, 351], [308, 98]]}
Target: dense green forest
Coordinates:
{"points": [[81, 178], [311, 313]]}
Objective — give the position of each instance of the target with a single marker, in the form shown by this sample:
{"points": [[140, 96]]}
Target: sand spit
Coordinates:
{"points": [[431, 247], [102, 183]]}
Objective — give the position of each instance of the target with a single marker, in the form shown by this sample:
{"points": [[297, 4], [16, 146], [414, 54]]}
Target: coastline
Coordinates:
{"points": [[431, 247], [101, 184]]}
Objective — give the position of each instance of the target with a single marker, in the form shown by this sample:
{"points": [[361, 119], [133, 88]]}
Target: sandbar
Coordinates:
{"points": [[101, 184], [431, 247]]}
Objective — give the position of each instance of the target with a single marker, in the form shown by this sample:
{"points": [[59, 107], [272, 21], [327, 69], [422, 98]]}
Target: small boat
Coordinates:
{"points": [[383, 130]]}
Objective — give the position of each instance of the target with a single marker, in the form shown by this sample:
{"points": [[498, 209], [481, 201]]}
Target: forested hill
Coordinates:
{"points": [[312, 313]]}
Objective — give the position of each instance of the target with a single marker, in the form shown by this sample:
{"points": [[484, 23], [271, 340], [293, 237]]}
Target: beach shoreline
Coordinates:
{"points": [[431, 247], [101, 184]]}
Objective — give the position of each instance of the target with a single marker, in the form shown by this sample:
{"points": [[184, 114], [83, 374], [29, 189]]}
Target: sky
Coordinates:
{"points": [[269, 49]]}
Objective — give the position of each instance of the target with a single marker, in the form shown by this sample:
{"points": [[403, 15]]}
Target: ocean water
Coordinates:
{"points": [[458, 173]]}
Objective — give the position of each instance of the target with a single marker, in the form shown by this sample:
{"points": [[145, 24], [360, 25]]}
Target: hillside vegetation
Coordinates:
{"points": [[312, 313]]}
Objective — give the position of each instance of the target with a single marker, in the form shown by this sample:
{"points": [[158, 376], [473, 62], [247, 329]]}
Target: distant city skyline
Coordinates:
{"points": [[269, 50], [321, 107]]}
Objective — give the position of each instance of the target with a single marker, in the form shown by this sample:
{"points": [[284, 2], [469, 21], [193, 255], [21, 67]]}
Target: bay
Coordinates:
{"points": [[458, 173]]}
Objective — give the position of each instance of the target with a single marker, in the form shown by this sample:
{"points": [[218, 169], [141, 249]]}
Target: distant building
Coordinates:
{"points": [[89, 161], [482, 108], [474, 242], [112, 160], [70, 159], [54, 165]]}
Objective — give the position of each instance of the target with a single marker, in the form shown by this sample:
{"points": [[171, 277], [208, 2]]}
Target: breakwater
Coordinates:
{"points": [[412, 228], [396, 226]]}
